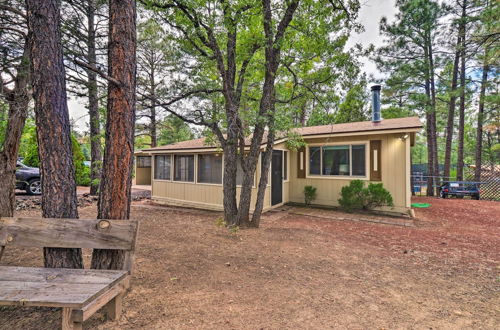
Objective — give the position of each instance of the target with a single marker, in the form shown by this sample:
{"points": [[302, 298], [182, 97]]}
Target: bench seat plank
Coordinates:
{"points": [[66, 275], [54, 287]]}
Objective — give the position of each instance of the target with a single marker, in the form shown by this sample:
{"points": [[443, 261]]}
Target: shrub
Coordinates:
{"points": [[356, 196], [309, 194], [82, 172]]}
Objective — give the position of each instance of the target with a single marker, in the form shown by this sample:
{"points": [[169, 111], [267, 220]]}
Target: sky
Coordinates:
{"points": [[369, 15]]}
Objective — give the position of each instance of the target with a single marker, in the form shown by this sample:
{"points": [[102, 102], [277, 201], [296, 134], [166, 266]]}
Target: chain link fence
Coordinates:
{"points": [[490, 180], [489, 184]]}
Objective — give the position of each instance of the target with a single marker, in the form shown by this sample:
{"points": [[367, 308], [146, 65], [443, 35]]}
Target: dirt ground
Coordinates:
{"points": [[301, 272]]}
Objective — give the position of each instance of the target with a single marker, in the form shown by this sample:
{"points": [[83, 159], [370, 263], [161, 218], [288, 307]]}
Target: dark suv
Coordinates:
{"points": [[28, 178], [459, 189]]}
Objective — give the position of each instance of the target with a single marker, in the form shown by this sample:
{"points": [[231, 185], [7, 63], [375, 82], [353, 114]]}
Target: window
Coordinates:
{"points": [[315, 160], [184, 168], [143, 161], [162, 167], [210, 168], [285, 165], [358, 160], [342, 160], [336, 160]]}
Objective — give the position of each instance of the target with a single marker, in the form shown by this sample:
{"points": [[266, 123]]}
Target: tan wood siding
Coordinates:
{"points": [[394, 160], [375, 160], [143, 175]]}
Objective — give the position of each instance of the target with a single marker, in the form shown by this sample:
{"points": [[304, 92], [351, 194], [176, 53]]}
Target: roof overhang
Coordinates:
{"points": [[210, 149]]}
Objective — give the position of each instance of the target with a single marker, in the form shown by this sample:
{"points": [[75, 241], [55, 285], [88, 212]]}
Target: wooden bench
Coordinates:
{"points": [[79, 292]]}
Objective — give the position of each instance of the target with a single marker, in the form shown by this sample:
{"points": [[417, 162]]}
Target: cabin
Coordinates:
{"points": [[190, 173]]}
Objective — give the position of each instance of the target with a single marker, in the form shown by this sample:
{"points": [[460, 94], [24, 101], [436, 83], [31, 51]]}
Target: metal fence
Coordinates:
{"points": [[489, 184], [490, 181]]}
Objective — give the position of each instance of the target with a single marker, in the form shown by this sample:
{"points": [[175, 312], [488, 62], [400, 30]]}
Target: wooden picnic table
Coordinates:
{"points": [[55, 287], [79, 292]]}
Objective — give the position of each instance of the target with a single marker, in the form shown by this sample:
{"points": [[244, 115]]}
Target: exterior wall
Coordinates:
{"points": [[395, 177], [395, 172], [143, 175], [199, 195]]}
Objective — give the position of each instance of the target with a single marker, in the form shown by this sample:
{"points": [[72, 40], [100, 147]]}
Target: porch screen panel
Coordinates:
{"points": [[358, 160], [143, 161], [184, 168], [209, 168], [336, 160], [162, 167]]}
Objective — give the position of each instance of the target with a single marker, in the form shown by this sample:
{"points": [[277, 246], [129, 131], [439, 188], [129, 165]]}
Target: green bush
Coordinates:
{"points": [[82, 172], [355, 196], [309, 194]]}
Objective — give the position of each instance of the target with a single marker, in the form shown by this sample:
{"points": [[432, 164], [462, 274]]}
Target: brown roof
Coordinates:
{"points": [[363, 126]]}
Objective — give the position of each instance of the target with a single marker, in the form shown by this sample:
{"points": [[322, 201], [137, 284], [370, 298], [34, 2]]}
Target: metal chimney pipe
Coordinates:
{"points": [[376, 116]]}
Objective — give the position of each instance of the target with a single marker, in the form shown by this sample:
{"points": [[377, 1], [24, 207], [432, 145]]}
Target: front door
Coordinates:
{"points": [[277, 177]]}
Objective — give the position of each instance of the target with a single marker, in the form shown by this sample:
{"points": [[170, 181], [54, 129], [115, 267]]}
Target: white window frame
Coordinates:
{"points": [[339, 177]]}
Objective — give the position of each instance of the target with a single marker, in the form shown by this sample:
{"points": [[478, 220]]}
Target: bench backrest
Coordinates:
{"points": [[69, 233]]}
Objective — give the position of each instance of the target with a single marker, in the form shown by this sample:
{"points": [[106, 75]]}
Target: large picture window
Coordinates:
{"points": [[184, 168], [210, 168], [162, 167], [338, 160]]}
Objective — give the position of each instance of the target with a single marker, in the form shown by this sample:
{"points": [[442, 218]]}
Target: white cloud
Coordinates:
{"points": [[369, 15]]}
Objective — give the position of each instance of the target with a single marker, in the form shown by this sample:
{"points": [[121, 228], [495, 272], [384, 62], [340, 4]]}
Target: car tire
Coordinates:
{"points": [[34, 187], [476, 197]]}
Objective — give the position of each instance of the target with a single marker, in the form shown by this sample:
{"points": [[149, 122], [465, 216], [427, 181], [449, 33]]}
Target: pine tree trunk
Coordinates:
{"points": [[451, 114], [116, 180], [435, 155], [461, 120], [430, 133], [95, 128], [18, 101], [152, 125], [480, 119], [52, 120]]}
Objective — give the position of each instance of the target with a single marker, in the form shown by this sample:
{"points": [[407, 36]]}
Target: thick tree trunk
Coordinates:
{"points": [[267, 101], [261, 192], [480, 119], [52, 120], [95, 127], [246, 197], [461, 120], [229, 185], [451, 114], [18, 101], [116, 180]]}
